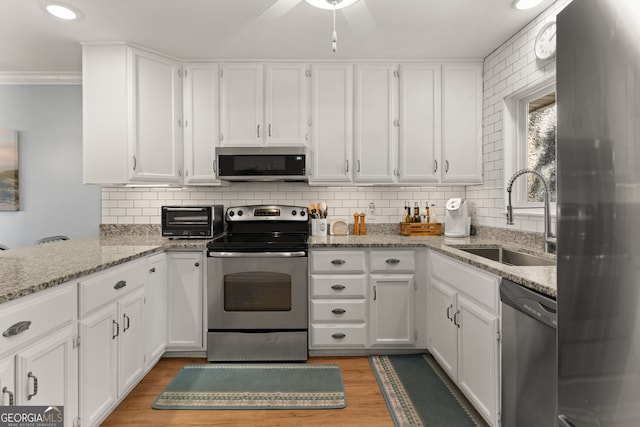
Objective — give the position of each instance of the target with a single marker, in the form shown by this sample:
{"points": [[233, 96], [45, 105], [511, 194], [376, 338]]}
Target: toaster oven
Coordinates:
{"points": [[192, 222]]}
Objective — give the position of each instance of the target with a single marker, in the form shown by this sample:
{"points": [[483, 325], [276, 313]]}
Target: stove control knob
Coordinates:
{"points": [[232, 213], [302, 213], [240, 213], [294, 213]]}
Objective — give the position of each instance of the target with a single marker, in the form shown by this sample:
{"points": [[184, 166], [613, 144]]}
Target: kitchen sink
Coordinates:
{"points": [[509, 257]]}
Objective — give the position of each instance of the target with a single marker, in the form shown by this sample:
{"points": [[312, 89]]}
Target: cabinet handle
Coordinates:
{"points": [[258, 131], [338, 311], [375, 294], [347, 165], [135, 163], [337, 261], [121, 284], [338, 336], [5, 390], [455, 319], [269, 130], [393, 261], [126, 320], [306, 136], [17, 328], [214, 167], [197, 264], [153, 270], [449, 312], [446, 166], [35, 385], [358, 166], [435, 166], [338, 287], [117, 325]]}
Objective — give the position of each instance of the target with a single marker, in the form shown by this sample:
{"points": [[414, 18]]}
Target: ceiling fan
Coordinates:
{"points": [[356, 13]]}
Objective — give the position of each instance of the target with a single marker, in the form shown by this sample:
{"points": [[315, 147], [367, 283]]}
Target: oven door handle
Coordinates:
{"points": [[296, 254]]}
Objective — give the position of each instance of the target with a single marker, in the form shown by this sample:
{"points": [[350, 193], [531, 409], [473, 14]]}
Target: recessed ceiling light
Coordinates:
{"points": [[329, 4], [62, 12], [525, 4]]}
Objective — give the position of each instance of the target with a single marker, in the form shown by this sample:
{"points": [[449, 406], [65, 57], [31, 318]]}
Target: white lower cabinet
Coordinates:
{"points": [[185, 301], [38, 356], [112, 356], [155, 308], [464, 330], [362, 299]]}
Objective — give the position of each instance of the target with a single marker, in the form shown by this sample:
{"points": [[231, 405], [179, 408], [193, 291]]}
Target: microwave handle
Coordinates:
{"points": [[182, 209]]}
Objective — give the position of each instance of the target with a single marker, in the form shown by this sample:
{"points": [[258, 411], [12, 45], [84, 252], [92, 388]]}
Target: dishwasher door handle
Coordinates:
{"points": [[564, 421]]}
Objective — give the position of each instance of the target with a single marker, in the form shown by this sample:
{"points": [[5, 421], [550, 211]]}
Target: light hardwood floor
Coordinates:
{"points": [[365, 403]]}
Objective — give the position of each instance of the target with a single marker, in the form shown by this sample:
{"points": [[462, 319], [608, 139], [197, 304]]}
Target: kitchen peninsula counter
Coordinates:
{"points": [[27, 270]]}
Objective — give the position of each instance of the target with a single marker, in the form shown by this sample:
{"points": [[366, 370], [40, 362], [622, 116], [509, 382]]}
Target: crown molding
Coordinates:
{"points": [[40, 78]]}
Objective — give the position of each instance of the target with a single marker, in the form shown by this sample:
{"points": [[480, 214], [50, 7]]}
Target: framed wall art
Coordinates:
{"points": [[9, 185]]}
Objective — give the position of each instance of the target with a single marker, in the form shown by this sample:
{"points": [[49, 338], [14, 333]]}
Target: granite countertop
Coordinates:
{"points": [[24, 271], [540, 278]]}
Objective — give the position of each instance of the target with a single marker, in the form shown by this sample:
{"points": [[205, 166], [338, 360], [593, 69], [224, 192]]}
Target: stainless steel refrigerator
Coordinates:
{"points": [[598, 92]]}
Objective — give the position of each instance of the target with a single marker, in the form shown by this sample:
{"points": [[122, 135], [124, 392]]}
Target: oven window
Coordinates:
{"points": [[257, 291]]}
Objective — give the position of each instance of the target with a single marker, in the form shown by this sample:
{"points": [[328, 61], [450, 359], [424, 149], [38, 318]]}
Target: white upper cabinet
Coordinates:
{"points": [[201, 123], [419, 123], [263, 104], [375, 133], [332, 123], [286, 104], [462, 123], [132, 115]]}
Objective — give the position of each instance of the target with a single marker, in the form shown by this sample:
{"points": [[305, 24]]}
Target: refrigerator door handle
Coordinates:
{"points": [[564, 421]]}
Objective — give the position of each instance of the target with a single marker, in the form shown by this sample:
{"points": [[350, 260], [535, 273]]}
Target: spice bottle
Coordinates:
{"points": [[356, 223], [427, 213]]}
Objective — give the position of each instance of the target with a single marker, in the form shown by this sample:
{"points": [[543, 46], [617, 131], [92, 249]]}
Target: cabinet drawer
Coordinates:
{"points": [[338, 335], [475, 283], [338, 311], [392, 261], [32, 316], [337, 262], [104, 287], [337, 286]]}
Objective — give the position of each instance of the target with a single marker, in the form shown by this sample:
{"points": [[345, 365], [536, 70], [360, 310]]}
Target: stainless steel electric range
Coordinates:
{"points": [[257, 285]]}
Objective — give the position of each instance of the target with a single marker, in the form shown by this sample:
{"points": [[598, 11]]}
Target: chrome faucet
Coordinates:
{"points": [[549, 237]]}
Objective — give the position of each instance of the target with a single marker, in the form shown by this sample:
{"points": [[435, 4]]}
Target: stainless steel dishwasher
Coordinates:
{"points": [[529, 357]]}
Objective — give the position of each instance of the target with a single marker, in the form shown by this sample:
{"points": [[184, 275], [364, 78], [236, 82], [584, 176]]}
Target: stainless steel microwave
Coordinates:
{"points": [[262, 163], [192, 222]]}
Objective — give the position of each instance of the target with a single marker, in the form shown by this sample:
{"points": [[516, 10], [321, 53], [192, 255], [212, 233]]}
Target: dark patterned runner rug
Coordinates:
{"points": [[419, 393], [254, 386]]}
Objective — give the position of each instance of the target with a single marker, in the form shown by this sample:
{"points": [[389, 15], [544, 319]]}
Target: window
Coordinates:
{"points": [[530, 143]]}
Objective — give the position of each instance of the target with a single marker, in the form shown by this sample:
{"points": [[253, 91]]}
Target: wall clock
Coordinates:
{"points": [[545, 46]]}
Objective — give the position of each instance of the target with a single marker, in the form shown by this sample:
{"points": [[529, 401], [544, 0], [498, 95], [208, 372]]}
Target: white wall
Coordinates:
{"points": [[142, 205], [53, 199], [510, 68]]}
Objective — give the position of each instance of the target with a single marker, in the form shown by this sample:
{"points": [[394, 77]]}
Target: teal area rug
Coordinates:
{"points": [[254, 386], [419, 393]]}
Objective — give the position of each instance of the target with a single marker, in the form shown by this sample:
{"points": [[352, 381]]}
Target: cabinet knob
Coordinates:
{"points": [[153, 270], [338, 311], [337, 261], [197, 264], [338, 336], [338, 287]]}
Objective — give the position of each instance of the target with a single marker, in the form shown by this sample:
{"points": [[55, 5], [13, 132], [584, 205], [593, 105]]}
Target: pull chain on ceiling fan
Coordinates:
{"points": [[334, 36]]}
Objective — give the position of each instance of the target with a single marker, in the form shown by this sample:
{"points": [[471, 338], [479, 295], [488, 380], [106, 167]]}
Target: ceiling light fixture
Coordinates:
{"points": [[332, 5], [62, 12], [525, 4]]}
